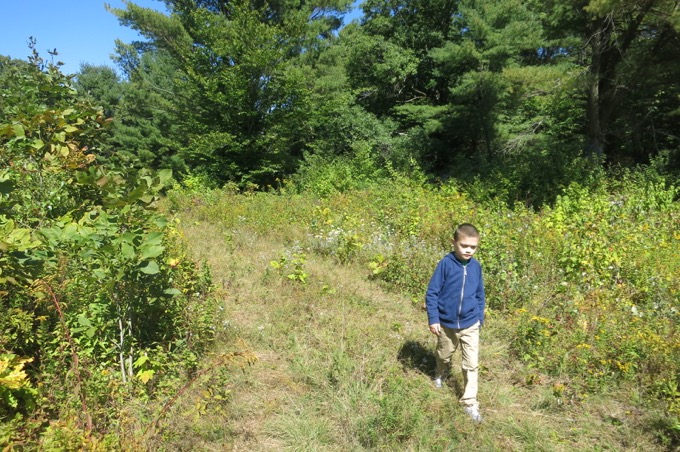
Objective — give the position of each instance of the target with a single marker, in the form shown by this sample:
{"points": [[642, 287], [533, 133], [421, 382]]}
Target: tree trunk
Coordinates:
{"points": [[594, 142], [610, 39]]}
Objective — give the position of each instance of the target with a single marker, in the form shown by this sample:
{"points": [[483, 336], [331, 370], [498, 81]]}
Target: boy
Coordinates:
{"points": [[455, 311]]}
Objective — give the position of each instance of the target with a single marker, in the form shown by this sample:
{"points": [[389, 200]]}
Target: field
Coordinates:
{"points": [[323, 344]]}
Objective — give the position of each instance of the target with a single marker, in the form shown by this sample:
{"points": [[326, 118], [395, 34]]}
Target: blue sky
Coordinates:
{"points": [[82, 31]]}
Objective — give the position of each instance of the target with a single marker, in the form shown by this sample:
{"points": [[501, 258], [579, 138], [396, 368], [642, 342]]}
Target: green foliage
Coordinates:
{"points": [[292, 267], [102, 84], [378, 71], [249, 93], [534, 178], [606, 320], [241, 99], [585, 288], [328, 175], [342, 237], [99, 293]]}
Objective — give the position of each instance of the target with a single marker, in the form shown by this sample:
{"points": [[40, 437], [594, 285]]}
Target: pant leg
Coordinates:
{"points": [[469, 344], [447, 343]]}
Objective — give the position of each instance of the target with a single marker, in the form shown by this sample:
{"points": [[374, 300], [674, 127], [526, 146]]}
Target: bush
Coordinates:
{"points": [[101, 295]]}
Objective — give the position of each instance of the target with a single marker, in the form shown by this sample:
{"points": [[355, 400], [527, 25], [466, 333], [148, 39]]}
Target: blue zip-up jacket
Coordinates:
{"points": [[455, 295]]}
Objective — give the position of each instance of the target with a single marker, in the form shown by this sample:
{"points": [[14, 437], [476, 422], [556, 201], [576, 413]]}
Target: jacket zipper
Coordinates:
{"points": [[462, 294]]}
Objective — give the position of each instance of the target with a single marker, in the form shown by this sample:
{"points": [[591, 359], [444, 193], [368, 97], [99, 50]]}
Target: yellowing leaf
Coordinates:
{"points": [[37, 143], [145, 375]]}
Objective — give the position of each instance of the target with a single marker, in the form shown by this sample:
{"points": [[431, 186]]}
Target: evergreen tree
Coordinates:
{"points": [[625, 49], [241, 99]]}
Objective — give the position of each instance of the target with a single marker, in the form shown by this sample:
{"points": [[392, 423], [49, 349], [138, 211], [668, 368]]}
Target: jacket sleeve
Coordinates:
{"points": [[481, 297], [434, 288]]}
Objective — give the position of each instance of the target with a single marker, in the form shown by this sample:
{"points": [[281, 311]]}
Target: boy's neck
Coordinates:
{"points": [[462, 261]]}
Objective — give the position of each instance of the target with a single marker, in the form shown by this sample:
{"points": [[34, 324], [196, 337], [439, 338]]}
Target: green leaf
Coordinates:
{"points": [[37, 143], [70, 232], [164, 176], [147, 199], [161, 221], [127, 251], [172, 291], [8, 226], [18, 130], [149, 252], [151, 268], [154, 238], [6, 186], [129, 237], [141, 361]]}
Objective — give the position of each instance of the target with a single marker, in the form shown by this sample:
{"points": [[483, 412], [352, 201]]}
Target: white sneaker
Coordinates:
{"points": [[438, 382], [473, 412]]}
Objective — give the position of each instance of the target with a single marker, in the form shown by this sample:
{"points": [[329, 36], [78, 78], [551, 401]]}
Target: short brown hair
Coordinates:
{"points": [[465, 229]]}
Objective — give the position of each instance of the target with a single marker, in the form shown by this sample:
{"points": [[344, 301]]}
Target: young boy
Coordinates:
{"points": [[455, 311]]}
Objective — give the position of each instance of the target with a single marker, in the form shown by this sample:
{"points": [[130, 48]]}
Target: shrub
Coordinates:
{"points": [[101, 295]]}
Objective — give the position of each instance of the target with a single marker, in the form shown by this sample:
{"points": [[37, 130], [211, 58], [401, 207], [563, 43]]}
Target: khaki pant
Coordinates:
{"points": [[447, 343]]}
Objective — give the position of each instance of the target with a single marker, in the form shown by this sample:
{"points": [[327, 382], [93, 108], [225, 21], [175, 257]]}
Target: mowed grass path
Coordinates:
{"points": [[345, 365]]}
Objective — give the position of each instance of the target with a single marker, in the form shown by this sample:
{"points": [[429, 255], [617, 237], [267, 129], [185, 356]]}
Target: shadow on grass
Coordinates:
{"points": [[414, 355]]}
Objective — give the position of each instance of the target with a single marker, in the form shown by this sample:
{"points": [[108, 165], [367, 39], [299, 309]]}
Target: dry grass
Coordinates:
{"points": [[342, 364]]}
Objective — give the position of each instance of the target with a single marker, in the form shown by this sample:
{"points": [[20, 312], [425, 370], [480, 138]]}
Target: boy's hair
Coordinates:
{"points": [[465, 229]]}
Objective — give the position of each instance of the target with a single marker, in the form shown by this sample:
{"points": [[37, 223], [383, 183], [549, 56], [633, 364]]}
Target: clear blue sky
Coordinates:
{"points": [[82, 31]]}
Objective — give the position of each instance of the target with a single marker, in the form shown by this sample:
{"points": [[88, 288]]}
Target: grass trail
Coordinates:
{"points": [[344, 365]]}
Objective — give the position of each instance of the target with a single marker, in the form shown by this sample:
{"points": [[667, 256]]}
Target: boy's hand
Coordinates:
{"points": [[435, 328]]}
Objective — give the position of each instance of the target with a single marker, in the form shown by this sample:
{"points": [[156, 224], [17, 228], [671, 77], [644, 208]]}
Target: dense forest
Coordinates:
{"points": [[551, 124], [509, 92]]}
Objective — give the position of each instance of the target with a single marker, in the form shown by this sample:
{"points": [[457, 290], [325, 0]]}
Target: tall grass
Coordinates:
{"points": [[580, 350]]}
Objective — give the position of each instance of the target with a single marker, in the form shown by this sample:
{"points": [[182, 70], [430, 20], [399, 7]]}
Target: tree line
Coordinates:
{"points": [[248, 91]]}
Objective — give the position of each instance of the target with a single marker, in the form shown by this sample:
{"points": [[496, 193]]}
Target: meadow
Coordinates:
{"points": [[323, 343]]}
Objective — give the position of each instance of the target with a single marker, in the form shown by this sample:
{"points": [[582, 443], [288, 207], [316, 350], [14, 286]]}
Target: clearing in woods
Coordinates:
{"points": [[344, 365]]}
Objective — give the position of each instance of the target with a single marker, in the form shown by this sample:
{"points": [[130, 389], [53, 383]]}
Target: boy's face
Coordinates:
{"points": [[465, 247]]}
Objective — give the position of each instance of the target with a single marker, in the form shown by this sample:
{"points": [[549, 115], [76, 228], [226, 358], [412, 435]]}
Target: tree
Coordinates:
{"points": [[378, 71], [146, 129], [510, 76], [241, 98], [477, 69], [101, 84], [405, 31], [619, 40]]}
